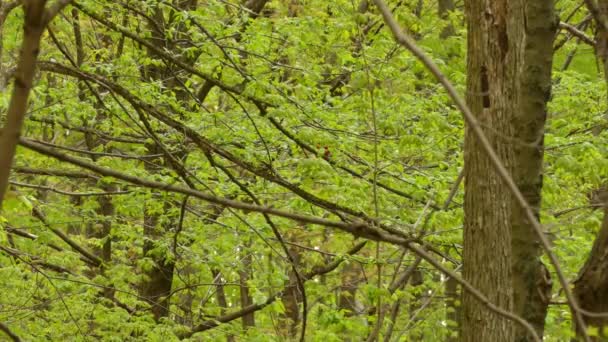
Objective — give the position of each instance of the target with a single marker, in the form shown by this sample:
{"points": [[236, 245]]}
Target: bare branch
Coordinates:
{"points": [[69, 193], [54, 9], [316, 271], [88, 255], [577, 33], [8, 332], [53, 172], [358, 228]]}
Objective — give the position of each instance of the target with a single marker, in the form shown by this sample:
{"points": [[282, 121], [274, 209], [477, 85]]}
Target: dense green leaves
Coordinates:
{"points": [[303, 91]]}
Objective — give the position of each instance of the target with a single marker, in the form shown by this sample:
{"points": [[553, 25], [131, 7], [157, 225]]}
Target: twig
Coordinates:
{"points": [[8, 332], [577, 33]]}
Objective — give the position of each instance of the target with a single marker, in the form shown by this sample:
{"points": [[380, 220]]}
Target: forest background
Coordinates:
{"points": [[345, 170]]}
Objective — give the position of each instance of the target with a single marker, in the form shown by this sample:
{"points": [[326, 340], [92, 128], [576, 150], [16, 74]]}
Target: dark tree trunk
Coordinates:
{"points": [[591, 286], [531, 279], [444, 8], [292, 298]]}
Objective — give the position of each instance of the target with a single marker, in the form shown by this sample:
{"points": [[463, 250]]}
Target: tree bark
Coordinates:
{"points": [[491, 65], [591, 286], [509, 82], [347, 300], [33, 28], [220, 295], [292, 297], [531, 279]]}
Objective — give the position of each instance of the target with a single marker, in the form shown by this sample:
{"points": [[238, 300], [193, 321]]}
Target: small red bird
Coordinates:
{"points": [[326, 153]]}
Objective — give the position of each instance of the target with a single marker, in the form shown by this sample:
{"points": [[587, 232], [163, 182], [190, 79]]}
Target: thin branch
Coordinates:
{"points": [[35, 260], [68, 193], [53, 172], [9, 333], [156, 50], [359, 228], [90, 256], [577, 33], [54, 9], [33, 28], [209, 147], [473, 291], [316, 271]]}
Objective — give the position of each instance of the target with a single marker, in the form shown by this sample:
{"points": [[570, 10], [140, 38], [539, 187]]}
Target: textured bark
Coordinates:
{"points": [[100, 228], [591, 286], [509, 69], [33, 27], [491, 65], [531, 279], [159, 279], [601, 37]]}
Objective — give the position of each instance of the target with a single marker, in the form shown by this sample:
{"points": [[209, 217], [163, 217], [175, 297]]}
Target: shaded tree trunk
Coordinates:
{"points": [[444, 8], [416, 304], [531, 279], [591, 286], [159, 279], [220, 295], [292, 297]]}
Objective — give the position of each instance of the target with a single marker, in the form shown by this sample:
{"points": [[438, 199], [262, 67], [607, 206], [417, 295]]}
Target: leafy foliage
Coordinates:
{"points": [[321, 114]]}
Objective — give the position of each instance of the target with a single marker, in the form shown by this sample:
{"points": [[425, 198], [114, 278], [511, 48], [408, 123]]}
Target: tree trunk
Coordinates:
{"points": [[491, 66], [591, 286], [444, 7], [33, 27], [347, 300], [508, 85], [453, 308], [292, 297], [493, 59], [531, 279], [156, 288], [220, 295]]}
